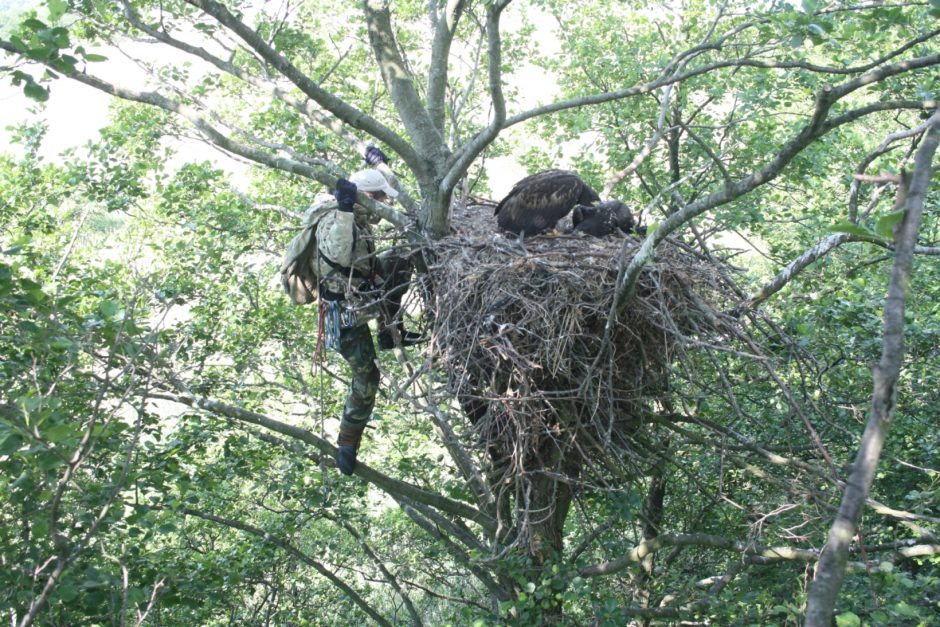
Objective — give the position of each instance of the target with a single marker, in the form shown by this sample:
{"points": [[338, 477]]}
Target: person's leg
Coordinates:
{"points": [[356, 347], [396, 271]]}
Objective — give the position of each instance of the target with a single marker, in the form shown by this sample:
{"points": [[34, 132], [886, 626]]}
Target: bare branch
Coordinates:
{"points": [[831, 567], [815, 128], [820, 250], [454, 550], [645, 151], [389, 577], [338, 107], [304, 106], [664, 80], [283, 544], [285, 164], [463, 157], [154, 595], [444, 30], [757, 553]]}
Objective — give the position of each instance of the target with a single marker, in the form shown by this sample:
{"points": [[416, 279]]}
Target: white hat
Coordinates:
{"points": [[373, 181]]}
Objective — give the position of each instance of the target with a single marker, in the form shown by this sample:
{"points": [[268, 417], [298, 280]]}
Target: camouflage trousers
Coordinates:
{"points": [[357, 348], [356, 345]]}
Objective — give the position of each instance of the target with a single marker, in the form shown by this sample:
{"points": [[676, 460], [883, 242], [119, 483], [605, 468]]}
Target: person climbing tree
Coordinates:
{"points": [[357, 285]]}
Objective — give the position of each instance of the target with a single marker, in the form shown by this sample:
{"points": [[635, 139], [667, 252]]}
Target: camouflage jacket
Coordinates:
{"points": [[346, 252]]}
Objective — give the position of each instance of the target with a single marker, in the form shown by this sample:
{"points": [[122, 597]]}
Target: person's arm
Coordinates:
{"points": [[336, 234], [379, 160]]}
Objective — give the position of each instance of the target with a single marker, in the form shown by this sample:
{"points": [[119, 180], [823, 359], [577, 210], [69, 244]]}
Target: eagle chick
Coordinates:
{"points": [[603, 219]]}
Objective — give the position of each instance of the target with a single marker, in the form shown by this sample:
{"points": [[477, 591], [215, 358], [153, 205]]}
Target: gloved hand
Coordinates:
{"points": [[374, 156], [345, 194]]}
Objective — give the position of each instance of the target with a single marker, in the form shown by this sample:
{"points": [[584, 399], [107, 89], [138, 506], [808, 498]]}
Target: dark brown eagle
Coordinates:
{"points": [[603, 219], [539, 201]]}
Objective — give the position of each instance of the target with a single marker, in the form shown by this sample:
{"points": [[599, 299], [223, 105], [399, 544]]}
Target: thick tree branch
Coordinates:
{"points": [[815, 128], [755, 552], [831, 567], [427, 138], [394, 487], [345, 112], [444, 30], [463, 157]]}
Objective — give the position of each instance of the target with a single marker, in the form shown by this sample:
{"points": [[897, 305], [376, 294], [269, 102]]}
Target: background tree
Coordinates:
{"points": [[134, 287]]}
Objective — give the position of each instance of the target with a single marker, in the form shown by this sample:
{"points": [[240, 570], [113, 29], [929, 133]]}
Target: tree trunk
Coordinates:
{"points": [[547, 506], [652, 519], [831, 566]]}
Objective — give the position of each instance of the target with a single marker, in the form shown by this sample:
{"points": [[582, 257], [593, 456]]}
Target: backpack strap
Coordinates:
{"points": [[344, 270]]}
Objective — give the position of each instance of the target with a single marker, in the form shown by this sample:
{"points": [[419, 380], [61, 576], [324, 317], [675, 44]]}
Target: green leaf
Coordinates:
{"points": [[935, 4], [10, 444], [109, 308], [95, 58], [853, 229], [61, 343], [36, 92], [886, 223], [21, 46], [817, 34], [905, 609], [136, 596], [848, 619], [34, 24], [65, 64], [57, 9], [59, 433], [66, 592], [60, 37]]}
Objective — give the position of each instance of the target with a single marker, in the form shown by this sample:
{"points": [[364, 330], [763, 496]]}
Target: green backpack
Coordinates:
{"points": [[299, 267]]}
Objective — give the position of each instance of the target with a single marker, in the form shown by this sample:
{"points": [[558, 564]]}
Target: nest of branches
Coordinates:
{"points": [[552, 378]]}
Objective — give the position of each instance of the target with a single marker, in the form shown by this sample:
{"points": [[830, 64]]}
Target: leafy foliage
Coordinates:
{"points": [[143, 334]]}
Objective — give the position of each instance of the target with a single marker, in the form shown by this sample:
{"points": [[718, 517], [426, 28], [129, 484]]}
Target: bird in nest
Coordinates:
{"points": [[536, 203], [603, 219]]}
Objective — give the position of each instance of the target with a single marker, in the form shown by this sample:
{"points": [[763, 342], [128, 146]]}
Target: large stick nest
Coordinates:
{"points": [[546, 382]]}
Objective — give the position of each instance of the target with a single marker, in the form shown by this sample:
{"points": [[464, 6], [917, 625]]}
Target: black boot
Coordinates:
{"points": [[408, 338], [348, 442]]}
